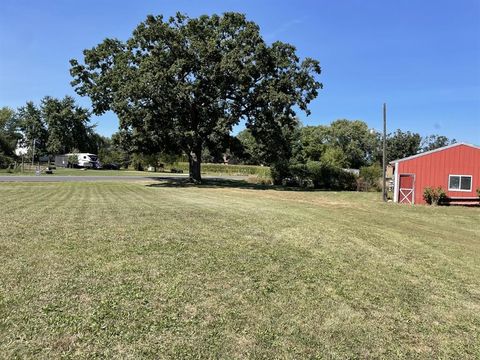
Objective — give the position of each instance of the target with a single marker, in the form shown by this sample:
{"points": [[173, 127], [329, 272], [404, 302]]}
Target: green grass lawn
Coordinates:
{"points": [[127, 270], [207, 169], [88, 172]]}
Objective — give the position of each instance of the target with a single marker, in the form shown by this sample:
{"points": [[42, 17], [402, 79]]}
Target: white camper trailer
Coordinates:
{"points": [[85, 160]]}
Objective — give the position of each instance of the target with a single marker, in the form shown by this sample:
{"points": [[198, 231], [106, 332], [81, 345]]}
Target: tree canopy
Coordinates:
{"points": [[57, 126], [353, 138], [433, 142], [68, 125], [9, 135], [33, 128], [401, 144], [253, 153], [179, 84]]}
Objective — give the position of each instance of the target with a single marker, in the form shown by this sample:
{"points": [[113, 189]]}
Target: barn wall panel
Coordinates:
{"points": [[433, 170]]}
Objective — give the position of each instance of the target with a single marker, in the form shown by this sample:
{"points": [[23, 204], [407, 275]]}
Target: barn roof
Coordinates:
{"points": [[433, 151]]}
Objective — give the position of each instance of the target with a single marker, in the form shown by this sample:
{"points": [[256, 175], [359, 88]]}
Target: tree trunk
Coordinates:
{"points": [[194, 161]]}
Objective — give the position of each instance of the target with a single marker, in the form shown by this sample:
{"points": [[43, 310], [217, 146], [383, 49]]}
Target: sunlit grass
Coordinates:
{"points": [[84, 172], [207, 169], [128, 270]]}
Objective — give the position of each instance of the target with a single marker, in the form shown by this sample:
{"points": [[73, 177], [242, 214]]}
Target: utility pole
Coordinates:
{"points": [[384, 183]]}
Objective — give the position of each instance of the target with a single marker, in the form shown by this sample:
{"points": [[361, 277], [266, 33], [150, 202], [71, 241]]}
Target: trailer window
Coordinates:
{"points": [[460, 182]]}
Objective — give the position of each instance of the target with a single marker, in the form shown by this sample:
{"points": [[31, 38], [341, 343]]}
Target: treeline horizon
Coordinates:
{"points": [[60, 126]]}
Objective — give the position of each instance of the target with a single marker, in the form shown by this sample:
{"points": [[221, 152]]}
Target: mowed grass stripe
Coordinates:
{"points": [[192, 272]]}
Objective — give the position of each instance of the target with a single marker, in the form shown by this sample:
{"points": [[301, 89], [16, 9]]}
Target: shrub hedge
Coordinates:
{"points": [[221, 169], [433, 196], [370, 177], [314, 174]]}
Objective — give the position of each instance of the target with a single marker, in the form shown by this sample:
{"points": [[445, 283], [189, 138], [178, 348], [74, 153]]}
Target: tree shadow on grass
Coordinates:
{"points": [[220, 183]]}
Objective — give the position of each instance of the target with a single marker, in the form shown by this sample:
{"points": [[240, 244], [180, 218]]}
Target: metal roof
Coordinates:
{"points": [[433, 151]]}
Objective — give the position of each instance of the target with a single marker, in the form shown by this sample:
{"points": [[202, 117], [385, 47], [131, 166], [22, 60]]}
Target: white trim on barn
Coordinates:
{"points": [[433, 151], [411, 192], [460, 182], [395, 186]]}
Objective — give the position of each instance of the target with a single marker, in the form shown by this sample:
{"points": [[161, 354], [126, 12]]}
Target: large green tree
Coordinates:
{"points": [[33, 129], [9, 135], [433, 142], [401, 144], [253, 152], [56, 126], [353, 137], [312, 143], [357, 141], [178, 84], [68, 126]]}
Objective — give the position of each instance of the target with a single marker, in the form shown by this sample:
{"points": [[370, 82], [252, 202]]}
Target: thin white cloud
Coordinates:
{"points": [[273, 35]]}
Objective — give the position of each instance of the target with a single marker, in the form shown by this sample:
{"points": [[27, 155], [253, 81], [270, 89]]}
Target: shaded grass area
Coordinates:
{"points": [[136, 271], [219, 183]]}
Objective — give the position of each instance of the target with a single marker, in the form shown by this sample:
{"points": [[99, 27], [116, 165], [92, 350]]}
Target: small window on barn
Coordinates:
{"points": [[460, 182]]}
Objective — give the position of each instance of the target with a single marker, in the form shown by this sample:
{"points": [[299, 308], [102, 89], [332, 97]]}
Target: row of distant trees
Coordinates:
{"points": [[343, 143], [319, 154], [60, 126], [54, 126], [180, 85], [353, 143]]}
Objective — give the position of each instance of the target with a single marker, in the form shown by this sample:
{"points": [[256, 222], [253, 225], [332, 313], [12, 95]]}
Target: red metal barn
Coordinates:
{"points": [[456, 168]]}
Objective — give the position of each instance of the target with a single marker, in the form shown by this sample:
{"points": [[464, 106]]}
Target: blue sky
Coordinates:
{"points": [[420, 57]]}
